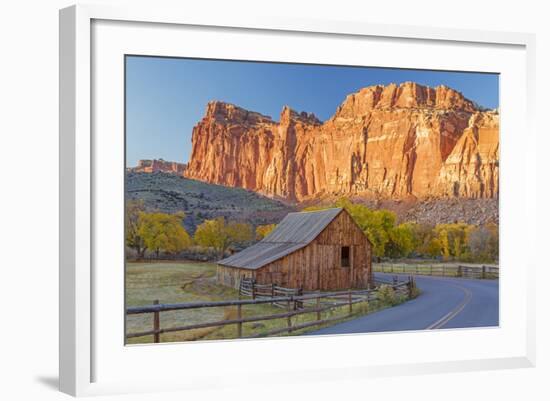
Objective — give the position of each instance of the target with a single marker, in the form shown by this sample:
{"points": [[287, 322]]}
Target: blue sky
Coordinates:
{"points": [[166, 97]]}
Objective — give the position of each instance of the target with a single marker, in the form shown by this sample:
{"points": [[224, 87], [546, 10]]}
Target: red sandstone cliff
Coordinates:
{"points": [[159, 165], [383, 142]]}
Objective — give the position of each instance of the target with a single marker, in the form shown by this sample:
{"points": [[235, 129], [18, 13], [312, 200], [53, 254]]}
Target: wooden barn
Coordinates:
{"points": [[321, 250]]}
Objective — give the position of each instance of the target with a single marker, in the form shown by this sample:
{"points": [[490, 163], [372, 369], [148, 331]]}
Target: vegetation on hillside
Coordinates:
{"points": [[156, 232], [200, 201], [455, 241]]}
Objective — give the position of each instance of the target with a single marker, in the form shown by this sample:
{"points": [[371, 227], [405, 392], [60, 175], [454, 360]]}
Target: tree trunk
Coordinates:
{"points": [[138, 251]]}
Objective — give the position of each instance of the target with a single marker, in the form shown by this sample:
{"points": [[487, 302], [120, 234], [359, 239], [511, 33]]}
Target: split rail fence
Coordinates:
{"points": [[477, 272], [295, 304], [248, 287]]}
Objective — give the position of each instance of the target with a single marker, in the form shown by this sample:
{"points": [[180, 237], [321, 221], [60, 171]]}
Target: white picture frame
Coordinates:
{"points": [[83, 336]]}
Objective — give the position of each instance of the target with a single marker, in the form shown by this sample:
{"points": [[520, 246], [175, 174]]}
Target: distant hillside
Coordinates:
{"points": [[441, 211], [158, 165], [170, 193]]}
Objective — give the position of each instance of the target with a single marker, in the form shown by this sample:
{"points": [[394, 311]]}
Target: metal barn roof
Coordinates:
{"points": [[294, 232]]}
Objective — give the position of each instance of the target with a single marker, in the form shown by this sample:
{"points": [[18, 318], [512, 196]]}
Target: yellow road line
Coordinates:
{"points": [[454, 312], [445, 319]]}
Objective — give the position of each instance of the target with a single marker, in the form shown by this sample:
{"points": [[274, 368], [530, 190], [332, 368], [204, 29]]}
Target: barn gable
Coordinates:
{"points": [[294, 232], [321, 250]]}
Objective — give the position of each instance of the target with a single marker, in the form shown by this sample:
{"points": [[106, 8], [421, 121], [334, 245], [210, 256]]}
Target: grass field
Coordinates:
{"points": [[193, 282]]}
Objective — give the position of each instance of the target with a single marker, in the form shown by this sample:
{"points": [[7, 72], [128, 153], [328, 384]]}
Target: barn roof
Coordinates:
{"points": [[294, 232]]}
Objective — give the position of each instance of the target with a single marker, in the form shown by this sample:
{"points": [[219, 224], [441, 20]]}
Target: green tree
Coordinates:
{"points": [[133, 239], [220, 236], [434, 247], [163, 232], [493, 243], [401, 242], [263, 231], [211, 234], [423, 236], [443, 238], [239, 233], [453, 239], [376, 224]]}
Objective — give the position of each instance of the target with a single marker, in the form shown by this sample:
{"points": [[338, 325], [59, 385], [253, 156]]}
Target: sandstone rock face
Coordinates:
{"points": [[159, 165], [383, 142], [471, 170]]}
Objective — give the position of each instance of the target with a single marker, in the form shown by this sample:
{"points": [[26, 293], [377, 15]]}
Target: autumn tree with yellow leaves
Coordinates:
{"points": [[163, 232], [220, 235]]}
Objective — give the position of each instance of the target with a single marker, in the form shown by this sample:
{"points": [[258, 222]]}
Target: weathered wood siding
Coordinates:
{"points": [[318, 265], [231, 276]]}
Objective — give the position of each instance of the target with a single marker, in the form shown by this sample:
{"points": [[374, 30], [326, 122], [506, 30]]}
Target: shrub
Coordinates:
{"points": [[414, 292], [387, 296]]}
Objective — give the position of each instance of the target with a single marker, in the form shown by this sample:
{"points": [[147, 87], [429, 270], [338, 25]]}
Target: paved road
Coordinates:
{"points": [[444, 303]]}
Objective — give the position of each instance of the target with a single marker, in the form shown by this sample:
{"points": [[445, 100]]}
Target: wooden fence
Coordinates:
{"points": [[249, 287], [316, 302], [478, 272]]}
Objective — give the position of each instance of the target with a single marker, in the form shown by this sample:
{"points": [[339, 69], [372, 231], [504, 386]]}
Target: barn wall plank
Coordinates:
{"points": [[317, 265]]}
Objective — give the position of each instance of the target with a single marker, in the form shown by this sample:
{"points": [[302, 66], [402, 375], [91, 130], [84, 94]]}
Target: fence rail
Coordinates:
{"points": [[478, 272], [249, 287], [295, 304]]}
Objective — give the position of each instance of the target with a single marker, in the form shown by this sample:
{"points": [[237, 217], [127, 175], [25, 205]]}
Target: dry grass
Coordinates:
{"points": [[173, 283], [193, 282]]}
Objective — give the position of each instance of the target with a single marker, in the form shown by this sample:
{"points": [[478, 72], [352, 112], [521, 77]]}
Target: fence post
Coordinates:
{"points": [[483, 271], [350, 303], [410, 286], [431, 270], [459, 271], [288, 319], [298, 304], [253, 290], [156, 323], [319, 307], [240, 324]]}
